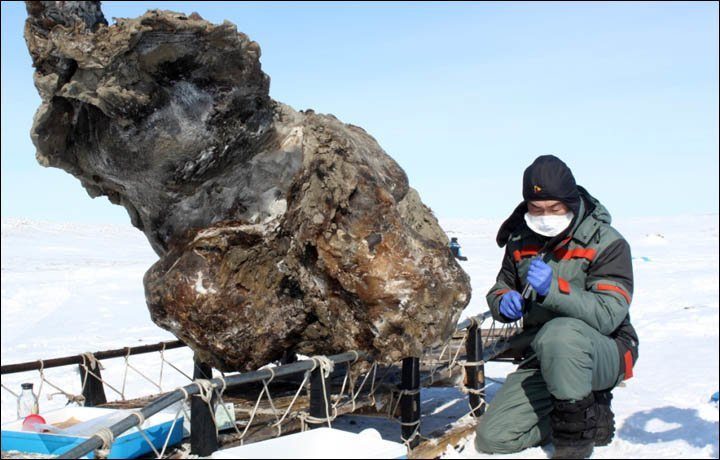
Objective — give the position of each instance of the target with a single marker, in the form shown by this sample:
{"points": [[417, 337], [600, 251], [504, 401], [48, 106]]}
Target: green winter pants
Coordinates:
{"points": [[574, 360]]}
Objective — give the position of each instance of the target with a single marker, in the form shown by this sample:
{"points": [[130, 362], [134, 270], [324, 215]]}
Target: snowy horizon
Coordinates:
{"points": [[13, 220]]}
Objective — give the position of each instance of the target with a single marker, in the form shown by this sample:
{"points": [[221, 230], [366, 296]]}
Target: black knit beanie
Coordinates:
{"points": [[549, 178]]}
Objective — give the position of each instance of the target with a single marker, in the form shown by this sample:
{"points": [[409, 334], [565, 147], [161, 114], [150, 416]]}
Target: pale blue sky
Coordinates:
{"points": [[464, 96]]}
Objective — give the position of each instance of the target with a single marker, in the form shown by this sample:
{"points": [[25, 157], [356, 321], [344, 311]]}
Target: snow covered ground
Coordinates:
{"points": [[72, 288]]}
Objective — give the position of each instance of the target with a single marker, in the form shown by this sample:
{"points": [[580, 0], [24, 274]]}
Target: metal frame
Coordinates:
{"points": [[204, 435]]}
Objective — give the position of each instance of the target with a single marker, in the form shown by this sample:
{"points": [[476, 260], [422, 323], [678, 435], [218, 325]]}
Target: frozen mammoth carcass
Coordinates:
{"points": [[355, 262], [276, 229]]}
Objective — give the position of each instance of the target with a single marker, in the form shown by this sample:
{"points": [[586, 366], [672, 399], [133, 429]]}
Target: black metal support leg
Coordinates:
{"points": [[93, 391], [318, 408], [475, 374], [203, 436], [288, 357], [410, 401]]}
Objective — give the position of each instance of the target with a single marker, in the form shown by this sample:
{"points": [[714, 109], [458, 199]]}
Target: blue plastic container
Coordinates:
{"points": [[130, 444]]}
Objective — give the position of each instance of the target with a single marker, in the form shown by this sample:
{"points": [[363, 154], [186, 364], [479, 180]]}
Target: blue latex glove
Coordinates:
{"points": [[540, 276], [511, 305]]}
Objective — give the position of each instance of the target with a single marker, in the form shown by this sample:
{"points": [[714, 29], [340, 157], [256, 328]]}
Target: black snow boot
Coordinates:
{"points": [[605, 418], [574, 427]]}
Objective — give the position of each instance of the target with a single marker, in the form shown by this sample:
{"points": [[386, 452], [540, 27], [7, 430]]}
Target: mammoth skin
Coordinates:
{"points": [[275, 229]]}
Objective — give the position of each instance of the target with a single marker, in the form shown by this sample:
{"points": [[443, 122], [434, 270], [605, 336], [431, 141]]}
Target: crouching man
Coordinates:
{"points": [[577, 341]]}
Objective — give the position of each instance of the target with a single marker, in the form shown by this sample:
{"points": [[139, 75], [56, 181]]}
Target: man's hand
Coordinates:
{"points": [[540, 276], [511, 305]]}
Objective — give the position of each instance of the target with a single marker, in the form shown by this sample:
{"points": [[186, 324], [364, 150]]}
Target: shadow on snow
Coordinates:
{"points": [[694, 430]]}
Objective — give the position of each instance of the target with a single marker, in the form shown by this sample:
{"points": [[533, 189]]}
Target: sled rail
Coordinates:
{"points": [[78, 359], [465, 353]]}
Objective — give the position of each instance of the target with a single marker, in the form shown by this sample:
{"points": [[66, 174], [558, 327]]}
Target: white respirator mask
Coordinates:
{"points": [[548, 225]]}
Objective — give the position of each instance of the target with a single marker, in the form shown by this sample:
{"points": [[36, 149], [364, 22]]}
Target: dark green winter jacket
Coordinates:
{"points": [[592, 276]]}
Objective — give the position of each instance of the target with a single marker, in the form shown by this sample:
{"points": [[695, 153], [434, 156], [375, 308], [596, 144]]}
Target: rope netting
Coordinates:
{"points": [[369, 385], [91, 366]]}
